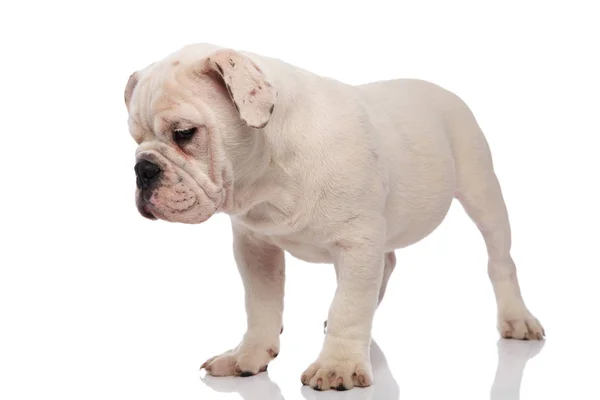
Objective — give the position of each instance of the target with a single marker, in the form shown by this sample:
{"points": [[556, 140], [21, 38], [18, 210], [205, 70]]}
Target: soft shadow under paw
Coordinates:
{"points": [[258, 387]]}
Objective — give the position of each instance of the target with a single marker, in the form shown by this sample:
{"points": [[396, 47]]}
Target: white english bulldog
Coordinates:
{"points": [[329, 172]]}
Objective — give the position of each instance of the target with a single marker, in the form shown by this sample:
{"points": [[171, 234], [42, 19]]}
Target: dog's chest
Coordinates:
{"points": [[289, 228], [303, 249], [283, 231], [274, 219]]}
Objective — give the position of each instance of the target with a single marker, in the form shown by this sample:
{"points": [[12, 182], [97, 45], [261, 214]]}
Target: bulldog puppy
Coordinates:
{"points": [[329, 172]]}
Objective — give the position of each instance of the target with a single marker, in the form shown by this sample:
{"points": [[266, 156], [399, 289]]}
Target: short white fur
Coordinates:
{"points": [[330, 173]]}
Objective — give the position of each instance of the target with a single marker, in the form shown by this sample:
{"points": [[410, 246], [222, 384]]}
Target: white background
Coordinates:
{"points": [[98, 303]]}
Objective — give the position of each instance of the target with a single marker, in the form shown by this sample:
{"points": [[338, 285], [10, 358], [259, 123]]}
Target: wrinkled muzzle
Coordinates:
{"points": [[166, 191]]}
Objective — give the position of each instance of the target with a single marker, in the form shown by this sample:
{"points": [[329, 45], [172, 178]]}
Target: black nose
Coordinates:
{"points": [[146, 173]]}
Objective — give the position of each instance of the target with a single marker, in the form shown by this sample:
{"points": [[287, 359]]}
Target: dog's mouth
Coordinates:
{"points": [[145, 210], [163, 206]]}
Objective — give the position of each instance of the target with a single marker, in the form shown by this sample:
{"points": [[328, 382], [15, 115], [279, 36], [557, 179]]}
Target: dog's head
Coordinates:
{"points": [[187, 112]]}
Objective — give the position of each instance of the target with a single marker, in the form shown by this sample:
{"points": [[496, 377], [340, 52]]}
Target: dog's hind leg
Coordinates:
{"points": [[478, 190]]}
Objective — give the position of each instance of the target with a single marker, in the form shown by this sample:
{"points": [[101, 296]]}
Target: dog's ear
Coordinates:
{"points": [[251, 93], [131, 83]]}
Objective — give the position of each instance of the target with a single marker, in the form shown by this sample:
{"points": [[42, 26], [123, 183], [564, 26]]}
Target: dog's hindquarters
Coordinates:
{"points": [[479, 192]]}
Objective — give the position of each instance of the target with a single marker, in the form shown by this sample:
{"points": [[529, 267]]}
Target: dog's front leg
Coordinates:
{"points": [[344, 359], [261, 266]]}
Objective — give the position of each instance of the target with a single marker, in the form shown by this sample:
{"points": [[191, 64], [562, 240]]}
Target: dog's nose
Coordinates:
{"points": [[146, 172]]}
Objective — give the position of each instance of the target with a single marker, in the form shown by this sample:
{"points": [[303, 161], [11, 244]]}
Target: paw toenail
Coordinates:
{"points": [[263, 369], [245, 374], [272, 353], [341, 388]]}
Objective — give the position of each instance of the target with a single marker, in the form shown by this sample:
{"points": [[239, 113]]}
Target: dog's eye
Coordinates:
{"points": [[183, 135]]}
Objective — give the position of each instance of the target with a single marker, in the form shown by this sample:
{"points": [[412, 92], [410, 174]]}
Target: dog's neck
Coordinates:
{"points": [[256, 171], [258, 157]]}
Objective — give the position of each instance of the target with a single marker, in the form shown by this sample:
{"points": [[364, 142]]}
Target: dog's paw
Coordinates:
{"points": [[338, 372], [522, 326], [246, 360]]}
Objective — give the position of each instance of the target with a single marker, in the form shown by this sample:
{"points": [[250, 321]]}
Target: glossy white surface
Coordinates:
{"points": [[512, 360]]}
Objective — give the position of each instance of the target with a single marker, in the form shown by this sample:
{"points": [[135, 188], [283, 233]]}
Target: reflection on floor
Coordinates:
{"points": [[513, 356], [512, 359]]}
